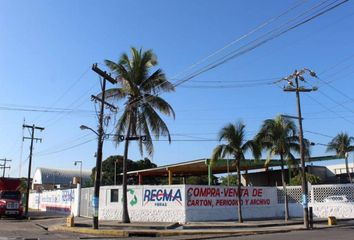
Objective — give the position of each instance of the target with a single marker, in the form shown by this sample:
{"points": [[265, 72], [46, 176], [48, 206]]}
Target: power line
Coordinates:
{"points": [[62, 114], [238, 81], [48, 110], [259, 42], [65, 149], [259, 27], [239, 51], [66, 142], [250, 85], [320, 134], [67, 90], [325, 107]]}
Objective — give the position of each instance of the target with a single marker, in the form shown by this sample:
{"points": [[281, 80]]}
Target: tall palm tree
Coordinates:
{"points": [[341, 145], [279, 137], [140, 115], [236, 146]]}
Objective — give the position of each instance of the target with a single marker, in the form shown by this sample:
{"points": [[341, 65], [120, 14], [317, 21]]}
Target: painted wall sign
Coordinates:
{"points": [[162, 197], [59, 201], [205, 196]]}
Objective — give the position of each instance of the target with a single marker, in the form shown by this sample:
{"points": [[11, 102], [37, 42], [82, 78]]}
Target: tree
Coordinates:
{"points": [[140, 115], [279, 137], [236, 146], [341, 145], [311, 178], [117, 160], [230, 180]]}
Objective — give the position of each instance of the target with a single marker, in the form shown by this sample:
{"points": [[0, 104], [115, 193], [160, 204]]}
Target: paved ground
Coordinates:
{"points": [[337, 233], [37, 228], [22, 229]]}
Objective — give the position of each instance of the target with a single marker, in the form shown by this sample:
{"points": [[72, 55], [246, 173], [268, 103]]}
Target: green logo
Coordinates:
{"points": [[134, 201]]}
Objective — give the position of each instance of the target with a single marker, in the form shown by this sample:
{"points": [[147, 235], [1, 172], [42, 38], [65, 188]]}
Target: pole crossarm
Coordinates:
{"points": [[286, 89], [110, 106], [103, 74], [33, 127]]}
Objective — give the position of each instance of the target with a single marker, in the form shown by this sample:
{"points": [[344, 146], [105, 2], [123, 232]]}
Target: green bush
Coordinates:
{"points": [[313, 179]]}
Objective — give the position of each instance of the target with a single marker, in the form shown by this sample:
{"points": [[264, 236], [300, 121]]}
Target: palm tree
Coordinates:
{"points": [[140, 115], [278, 136], [236, 146], [341, 145]]}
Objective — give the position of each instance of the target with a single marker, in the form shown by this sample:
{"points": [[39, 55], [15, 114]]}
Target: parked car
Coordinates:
{"points": [[336, 199]]}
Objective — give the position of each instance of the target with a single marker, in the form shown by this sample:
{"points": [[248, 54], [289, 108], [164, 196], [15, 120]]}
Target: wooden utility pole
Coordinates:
{"points": [[296, 76], [3, 166], [100, 135], [32, 138]]}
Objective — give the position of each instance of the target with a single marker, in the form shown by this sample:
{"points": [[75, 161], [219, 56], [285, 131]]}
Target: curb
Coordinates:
{"points": [[168, 232]]}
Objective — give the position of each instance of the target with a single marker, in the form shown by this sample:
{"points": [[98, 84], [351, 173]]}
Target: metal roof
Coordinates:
{"points": [[58, 176], [200, 166]]}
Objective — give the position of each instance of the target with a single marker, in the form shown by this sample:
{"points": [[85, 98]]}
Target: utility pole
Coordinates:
{"points": [[32, 138], [100, 135], [3, 166], [295, 77]]}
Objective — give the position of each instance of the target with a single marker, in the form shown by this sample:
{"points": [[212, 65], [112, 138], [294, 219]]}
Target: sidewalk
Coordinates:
{"points": [[113, 228]]}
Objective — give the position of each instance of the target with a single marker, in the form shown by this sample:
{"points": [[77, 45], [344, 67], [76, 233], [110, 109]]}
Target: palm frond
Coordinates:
{"points": [[217, 152], [160, 104]]}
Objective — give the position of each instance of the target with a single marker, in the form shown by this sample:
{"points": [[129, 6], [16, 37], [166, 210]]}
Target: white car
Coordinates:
{"points": [[336, 199]]}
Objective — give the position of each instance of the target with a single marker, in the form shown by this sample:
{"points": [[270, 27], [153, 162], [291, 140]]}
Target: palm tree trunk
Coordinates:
{"points": [[347, 167], [125, 217], [239, 205], [284, 188]]}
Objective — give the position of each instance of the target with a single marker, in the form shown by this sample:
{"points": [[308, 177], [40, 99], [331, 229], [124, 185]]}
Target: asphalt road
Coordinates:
{"points": [[36, 229], [337, 233]]}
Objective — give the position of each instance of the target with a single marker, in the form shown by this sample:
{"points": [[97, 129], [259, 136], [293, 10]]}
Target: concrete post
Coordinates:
{"points": [[78, 199]]}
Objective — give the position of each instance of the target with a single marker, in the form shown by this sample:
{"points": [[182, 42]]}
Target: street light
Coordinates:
{"points": [[84, 127], [95, 200]]}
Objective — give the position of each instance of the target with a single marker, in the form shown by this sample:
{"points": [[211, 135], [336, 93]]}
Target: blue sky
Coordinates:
{"points": [[47, 49]]}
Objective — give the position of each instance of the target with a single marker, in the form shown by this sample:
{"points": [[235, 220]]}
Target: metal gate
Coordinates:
{"points": [[86, 205]]}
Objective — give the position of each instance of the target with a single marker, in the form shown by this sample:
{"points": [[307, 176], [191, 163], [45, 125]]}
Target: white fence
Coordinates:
{"points": [[185, 203]]}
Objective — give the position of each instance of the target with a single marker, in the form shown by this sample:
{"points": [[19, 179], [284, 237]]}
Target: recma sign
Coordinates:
{"points": [[162, 197]]}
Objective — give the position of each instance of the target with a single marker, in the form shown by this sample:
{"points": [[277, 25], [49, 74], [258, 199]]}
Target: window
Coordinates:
{"points": [[114, 195]]}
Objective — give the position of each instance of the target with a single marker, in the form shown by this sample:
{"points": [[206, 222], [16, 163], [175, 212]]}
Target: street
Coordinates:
{"points": [[37, 229], [34, 229]]}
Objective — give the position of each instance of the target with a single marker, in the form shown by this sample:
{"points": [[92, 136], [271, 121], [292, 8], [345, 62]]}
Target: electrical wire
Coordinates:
{"points": [[64, 149], [320, 134], [259, 42], [325, 107], [257, 28], [242, 50], [66, 142], [66, 92], [19, 109]]}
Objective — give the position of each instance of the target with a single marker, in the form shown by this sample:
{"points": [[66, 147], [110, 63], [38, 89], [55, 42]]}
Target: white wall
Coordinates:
{"points": [[185, 203], [146, 203], [59, 201]]}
